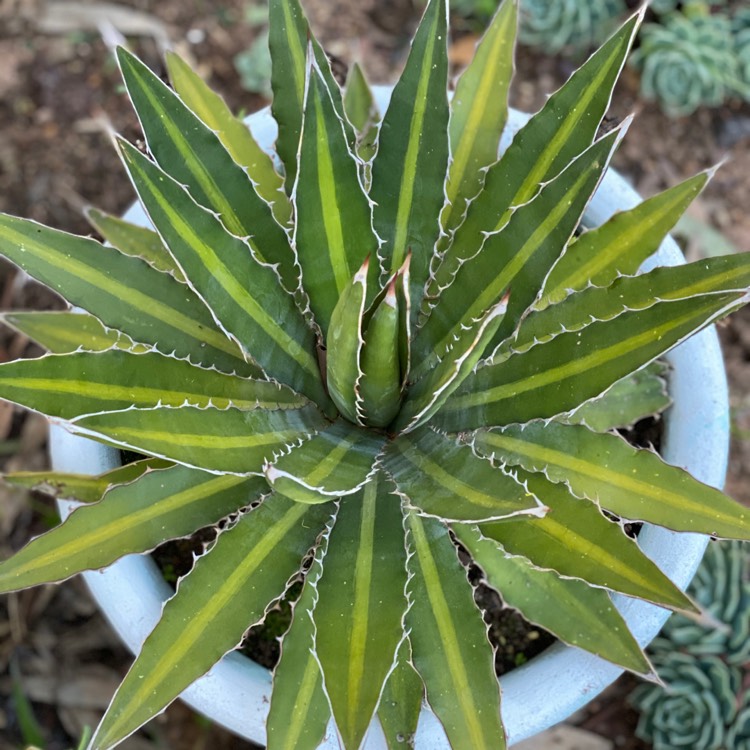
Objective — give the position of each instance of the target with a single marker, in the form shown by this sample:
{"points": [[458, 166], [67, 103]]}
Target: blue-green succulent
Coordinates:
{"points": [[706, 702]]}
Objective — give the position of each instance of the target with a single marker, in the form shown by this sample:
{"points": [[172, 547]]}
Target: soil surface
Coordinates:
{"points": [[60, 98]]}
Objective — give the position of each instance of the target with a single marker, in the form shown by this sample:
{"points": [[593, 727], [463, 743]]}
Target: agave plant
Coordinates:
{"points": [[353, 360]]}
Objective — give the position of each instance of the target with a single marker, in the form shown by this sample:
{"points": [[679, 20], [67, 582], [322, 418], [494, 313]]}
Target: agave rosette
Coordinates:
{"points": [[401, 345]]}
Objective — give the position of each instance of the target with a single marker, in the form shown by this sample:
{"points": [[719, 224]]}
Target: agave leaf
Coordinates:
{"points": [[159, 505], [345, 344], [556, 135], [63, 332], [131, 239], [559, 375], [408, 171], [289, 37], [226, 592], [640, 395], [428, 395], [192, 153], [403, 286], [333, 230], [219, 440], [576, 541], [449, 640], [623, 243], [440, 477], [233, 133], [337, 461], [632, 483], [359, 613], [581, 616], [518, 257], [380, 386], [629, 293], [243, 293], [82, 487], [362, 111], [479, 110], [401, 701], [70, 385], [123, 293], [299, 711]]}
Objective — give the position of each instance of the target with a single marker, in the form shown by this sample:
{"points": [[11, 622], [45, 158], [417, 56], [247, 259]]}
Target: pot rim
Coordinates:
{"points": [[236, 692]]}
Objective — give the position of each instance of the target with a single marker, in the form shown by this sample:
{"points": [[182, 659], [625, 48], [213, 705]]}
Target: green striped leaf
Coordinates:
{"points": [[440, 477], [623, 243], [557, 376], [380, 386], [84, 488], [556, 135], [408, 171], [233, 133], [361, 604], [582, 616], [159, 505], [70, 385], [299, 711], [220, 440], [449, 640], [288, 40], [518, 258], [401, 701], [427, 396], [576, 541], [479, 110], [193, 154], [632, 483], [335, 462], [333, 229], [640, 395], [226, 592], [63, 332], [243, 293], [629, 293], [124, 293], [344, 346], [131, 239]]}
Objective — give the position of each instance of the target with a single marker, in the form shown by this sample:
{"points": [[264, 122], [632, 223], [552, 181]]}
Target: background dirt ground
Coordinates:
{"points": [[60, 96]]}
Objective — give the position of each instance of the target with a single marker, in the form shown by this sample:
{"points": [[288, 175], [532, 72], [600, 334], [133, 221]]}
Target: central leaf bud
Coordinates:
{"points": [[368, 349]]}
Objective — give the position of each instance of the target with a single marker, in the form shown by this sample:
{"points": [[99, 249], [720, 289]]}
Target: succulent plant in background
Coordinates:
{"points": [[741, 35], [555, 25], [354, 367], [687, 61], [706, 702]]}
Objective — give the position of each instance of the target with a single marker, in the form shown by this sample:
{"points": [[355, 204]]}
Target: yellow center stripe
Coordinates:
{"points": [[123, 524], [603, 475], [416, 130], [332, 461], [133, 395], [329, 199], [199, 171], [569, 369], [220, 600], [145, 305], [227, 279], [462, 693], [361, 615]]}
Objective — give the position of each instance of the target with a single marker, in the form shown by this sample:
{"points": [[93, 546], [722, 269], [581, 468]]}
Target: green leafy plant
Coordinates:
{"points": [[687, 61], [356, 366], [555, 25], [706, 701]]}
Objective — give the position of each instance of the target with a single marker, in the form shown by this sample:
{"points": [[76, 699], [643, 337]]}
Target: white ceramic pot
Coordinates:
{"points": [[235, 693]]}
